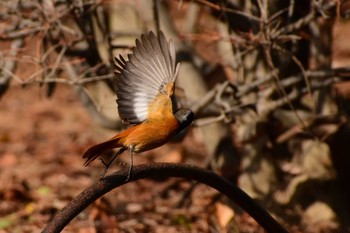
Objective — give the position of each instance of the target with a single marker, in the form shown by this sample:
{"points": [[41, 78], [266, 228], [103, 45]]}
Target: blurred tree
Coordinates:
{"points": [[259, 75]]}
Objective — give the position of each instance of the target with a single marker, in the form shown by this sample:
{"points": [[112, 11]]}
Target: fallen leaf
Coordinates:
{"points": [[224, 214]]}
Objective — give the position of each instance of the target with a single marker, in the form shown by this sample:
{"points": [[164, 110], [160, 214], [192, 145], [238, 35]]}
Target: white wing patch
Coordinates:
{"points": [[140, 79]]}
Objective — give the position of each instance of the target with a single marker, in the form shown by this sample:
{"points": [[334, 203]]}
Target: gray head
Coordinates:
{"points": [[185, 117]]}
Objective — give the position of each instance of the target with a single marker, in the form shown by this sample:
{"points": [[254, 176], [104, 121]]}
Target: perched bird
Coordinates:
{"points": [[144, 88]]}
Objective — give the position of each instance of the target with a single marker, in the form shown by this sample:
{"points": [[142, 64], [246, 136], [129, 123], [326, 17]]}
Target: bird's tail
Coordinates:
{"points": [[95, 151]]}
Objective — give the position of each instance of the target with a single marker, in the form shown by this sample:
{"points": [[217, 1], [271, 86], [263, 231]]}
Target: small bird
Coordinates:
{"points": [[144, 87]]}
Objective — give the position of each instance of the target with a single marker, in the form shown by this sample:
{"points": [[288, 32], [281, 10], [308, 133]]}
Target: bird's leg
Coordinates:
{"points": [[131, 151], [107, 165]]}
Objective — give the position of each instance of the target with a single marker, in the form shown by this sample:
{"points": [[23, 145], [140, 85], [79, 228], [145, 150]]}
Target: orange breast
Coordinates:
{"points": [[160, 125], [151, 134], [161, 107]]}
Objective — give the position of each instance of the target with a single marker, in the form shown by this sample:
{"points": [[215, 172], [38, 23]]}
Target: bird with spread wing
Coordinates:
{"points": [[144, 87]]}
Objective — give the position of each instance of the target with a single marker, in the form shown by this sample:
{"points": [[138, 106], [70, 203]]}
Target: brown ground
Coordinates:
{"points": [[41, 143]]}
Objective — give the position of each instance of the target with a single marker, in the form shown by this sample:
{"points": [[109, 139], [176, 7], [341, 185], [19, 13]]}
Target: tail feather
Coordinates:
{"points": [[95, 151]]}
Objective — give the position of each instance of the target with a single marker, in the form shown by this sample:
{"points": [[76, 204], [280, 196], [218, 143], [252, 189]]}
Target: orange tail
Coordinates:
{"points": [[95, 151]]}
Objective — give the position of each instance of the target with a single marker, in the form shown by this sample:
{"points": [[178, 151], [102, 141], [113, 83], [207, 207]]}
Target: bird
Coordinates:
{"points": [[144, 86]]}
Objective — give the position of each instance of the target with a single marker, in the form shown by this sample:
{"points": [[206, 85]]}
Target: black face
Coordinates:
{"points": [[185, 117]]}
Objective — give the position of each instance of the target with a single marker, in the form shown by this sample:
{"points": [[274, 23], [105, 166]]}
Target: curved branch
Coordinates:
{"points": [[185, 171]]}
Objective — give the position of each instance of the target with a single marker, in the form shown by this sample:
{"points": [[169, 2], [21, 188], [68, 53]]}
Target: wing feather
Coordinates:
{"points": [[149, 68]]}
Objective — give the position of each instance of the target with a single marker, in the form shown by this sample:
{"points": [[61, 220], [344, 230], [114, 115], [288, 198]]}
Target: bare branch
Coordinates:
{"points": [[89, 103]]}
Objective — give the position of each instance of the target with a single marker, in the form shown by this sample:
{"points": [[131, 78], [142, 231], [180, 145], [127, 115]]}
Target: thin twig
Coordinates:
{"points": [[229, 10], [9, 66], [89, 102]]}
